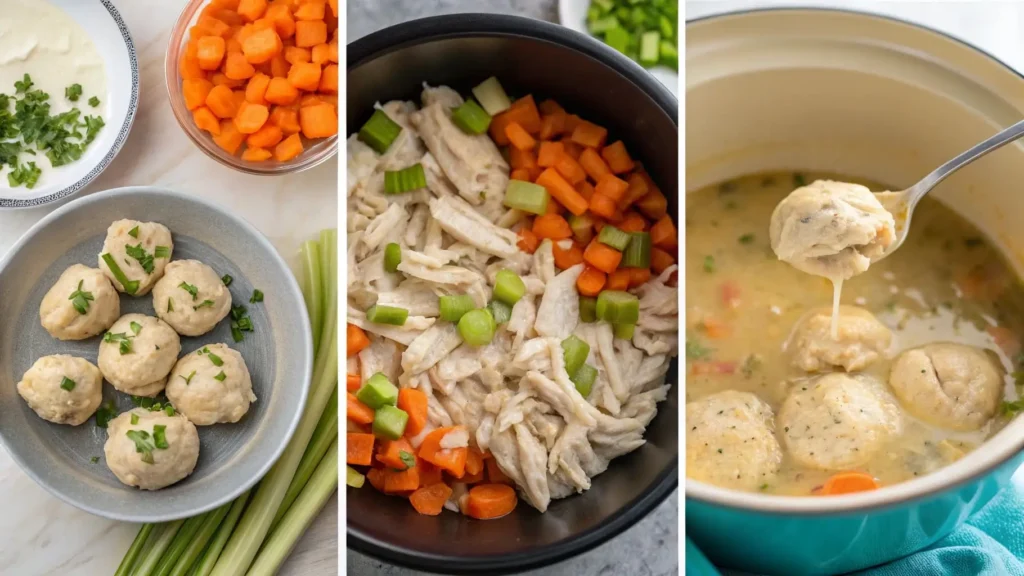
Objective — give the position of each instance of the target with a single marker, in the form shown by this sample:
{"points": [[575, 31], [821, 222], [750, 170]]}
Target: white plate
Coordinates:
{"points": [[573, 15], [114, 43]]}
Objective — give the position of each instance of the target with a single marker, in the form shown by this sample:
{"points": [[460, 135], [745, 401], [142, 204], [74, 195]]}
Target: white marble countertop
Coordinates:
{"points": [[42, 535]]}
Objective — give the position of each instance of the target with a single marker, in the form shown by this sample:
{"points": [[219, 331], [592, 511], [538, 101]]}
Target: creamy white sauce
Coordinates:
{"points": [[38, 39]]}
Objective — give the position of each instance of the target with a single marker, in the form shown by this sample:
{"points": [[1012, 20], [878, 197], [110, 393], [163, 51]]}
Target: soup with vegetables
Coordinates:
{"points": [[919, 370]]}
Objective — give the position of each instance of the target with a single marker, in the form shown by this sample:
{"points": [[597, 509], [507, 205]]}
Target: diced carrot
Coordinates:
{"points": [[334, 7], [551, 125], [664, 235], [281, 91], [468, 478], [552, 227], [288, 148], [519, 137], [572, 149], [452, 460], [570, 169], [638, 276], [219, 79], [305, 76], [494, 473], [524, 159], [209, 24], [619, 279], [549, 106], [617, 157], [194, 91], [353, 382], [189, 67], [562, 191], [528, 241], [487, 501], [549, 153], [429, 474], [281, 15], [233, 45], [571, 122], [359, 448], [329, 79], [318, 121], [266, 137], [376, 478], [612, 187], [653, 205], [660, 260], [639, 186], [310, 100], [239, 97], [589, 134], [594, 164], [397, 454], [601, 256], [523, 112], [251, 117], [430, 500], [357, 411], [520, 174], [286, 118], [295, 55], [221, 102], [632, 222], [256, 89], [251, 9], [309, 33], [554, 207], [279, 66], [210, 52], [591, 281], [474, 461], [849, 482], [703, 367], [602, 205], [355, 340], [414, 402], [206, 120], [311, 10], [256, 154], [333, 45], [586, 189], [262, 46], [236, 67], [566, 259], [401, 481], [320, 54]]}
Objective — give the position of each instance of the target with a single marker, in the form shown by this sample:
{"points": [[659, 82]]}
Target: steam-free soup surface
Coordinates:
{"points": [[945, 284]]}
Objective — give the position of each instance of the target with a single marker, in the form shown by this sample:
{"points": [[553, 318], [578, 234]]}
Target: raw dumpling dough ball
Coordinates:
{"points": [[137, 353], [730, 440], [191, 297], [949, 385], [154, 452], [861, 339], [211, 385], [62, 389], [838, 421], [140, 250], [79, 289]]}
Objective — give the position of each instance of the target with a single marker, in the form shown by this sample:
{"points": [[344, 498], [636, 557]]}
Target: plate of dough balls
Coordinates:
{"points": [[155, 354]]}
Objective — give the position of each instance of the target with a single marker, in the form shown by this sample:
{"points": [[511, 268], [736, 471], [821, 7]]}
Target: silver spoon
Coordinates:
{"points": [[901, 204]]}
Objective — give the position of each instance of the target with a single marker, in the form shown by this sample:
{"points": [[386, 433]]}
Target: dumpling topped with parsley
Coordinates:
{"points": [[137, 354], [191, 297], [135, 255], [151, 449], [81, 304], [211, 385]]}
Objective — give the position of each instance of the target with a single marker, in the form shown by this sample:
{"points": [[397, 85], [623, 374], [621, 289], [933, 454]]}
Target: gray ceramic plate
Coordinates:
{"points": [[279, 354]]}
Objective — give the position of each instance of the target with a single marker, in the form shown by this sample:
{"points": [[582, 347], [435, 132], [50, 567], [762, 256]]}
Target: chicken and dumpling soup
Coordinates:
{"points": [[918, 370]]}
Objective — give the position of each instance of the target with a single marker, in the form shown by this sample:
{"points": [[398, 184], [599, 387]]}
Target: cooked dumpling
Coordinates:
{"points": [[151, 450], [837, 421], [137, 353], [730, 440], [831, 229], [949, 385], [191, 297], [81, 304], [140, 250], [211, 385], [860, 340], [62, 389]]}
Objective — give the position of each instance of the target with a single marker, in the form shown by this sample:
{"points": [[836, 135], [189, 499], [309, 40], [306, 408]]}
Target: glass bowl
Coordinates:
{"points": [[313, 155]]}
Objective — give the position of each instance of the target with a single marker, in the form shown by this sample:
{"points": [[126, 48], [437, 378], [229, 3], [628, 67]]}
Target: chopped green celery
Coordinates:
{"points": [[509, 287], [612, 236], [379, 131], [638, 17], [387, 315], [392, 257], [354, 478], [618, 38], [649, 51], [618, 307], [405, 180], [593, 13], [500, 311], [638, 253], [454, 307], [389, 422], [526, 196], [477, 327], [603, 25], [492, 96], [603, 5], [622, 13], [471, 118], [584, 379], [624, 331], [669, 55], [588, 309], [582, 227], [378, 391], [668, 27], [575, 352]]}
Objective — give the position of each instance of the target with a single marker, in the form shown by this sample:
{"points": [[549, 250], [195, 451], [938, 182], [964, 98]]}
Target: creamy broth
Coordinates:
{"points": [[946, 283]]}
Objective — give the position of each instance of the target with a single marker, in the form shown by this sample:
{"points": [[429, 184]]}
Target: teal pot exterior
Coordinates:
{"points": [[832, 543]]}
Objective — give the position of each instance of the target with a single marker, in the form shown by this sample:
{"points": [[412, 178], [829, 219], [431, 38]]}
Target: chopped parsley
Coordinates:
{"points": [[696, 350], [139, 253], [73, 92], [227, 279], [26, 175], [192, 290], [257, 296], [94, 101], [123, 340], [799, 180], [143, 444], [240, 322], [709, 264], [1011, 408], [220, 377], [134, 232], [169, 410], [106, 412], [67, 384], [136, 327], [746, 239], [80, 299], [204, 304], [135, 418]]}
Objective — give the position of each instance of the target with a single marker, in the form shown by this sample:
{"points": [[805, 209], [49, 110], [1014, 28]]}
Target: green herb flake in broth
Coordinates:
{"points": [[134, 232], [73, 92], [80, 299], [799, 180], [192, 290], [695, 350], [709, 264], [973, 242], [67, 384], [747, 239]]}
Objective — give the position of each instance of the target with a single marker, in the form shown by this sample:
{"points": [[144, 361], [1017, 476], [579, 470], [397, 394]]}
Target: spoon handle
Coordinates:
{"points": [[978, 150]]}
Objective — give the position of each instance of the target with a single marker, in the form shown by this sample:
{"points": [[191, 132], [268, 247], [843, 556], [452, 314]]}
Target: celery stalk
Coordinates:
{"points": [[255, 523], [125, 569], [322, 484], [211, 521], [177, 547], [156, 548], [312, 288], [212, 552]]}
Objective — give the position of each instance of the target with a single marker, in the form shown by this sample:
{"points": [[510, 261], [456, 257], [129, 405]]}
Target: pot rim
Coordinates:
{"points": [[958, 474], [424, 30]]}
